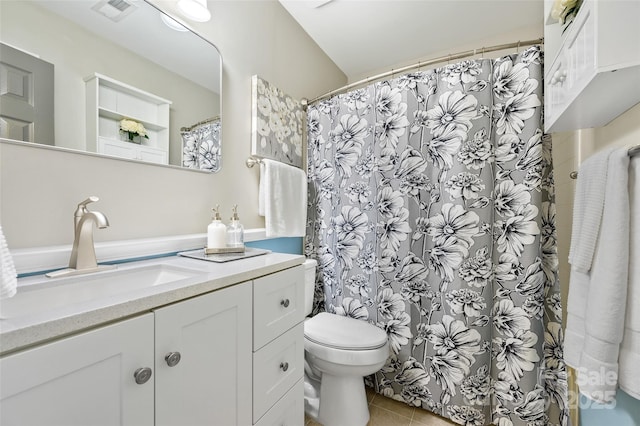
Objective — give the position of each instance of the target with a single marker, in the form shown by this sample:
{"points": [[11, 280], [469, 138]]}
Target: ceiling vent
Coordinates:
{"points": [[115, 10]]}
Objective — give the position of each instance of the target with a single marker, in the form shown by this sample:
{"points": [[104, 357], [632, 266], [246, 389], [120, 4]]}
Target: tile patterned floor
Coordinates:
{"points": [[388, 412]]}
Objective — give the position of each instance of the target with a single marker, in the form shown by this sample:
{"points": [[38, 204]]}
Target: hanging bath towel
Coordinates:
{"points": [[8, 280], [283, 199], [597, 298]]}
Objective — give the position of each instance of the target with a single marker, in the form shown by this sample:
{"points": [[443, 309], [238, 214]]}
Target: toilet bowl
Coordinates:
{"points": [[339, 352]]}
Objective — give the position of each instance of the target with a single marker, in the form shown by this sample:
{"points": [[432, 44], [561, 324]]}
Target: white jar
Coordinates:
{"points": [[216, 232]]}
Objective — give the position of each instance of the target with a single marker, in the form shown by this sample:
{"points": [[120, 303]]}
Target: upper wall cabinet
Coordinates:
{"points": [[592, 69], [108, 101]]}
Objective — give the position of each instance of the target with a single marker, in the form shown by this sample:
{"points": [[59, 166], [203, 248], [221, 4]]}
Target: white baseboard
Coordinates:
{"points": [[39, 259]]}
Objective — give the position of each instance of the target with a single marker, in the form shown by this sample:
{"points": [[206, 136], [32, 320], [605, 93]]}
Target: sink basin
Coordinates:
{"points": [[47, 294]]}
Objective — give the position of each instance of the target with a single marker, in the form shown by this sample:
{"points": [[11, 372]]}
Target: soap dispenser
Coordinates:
{"points": [[235, 231], [216, 231]]}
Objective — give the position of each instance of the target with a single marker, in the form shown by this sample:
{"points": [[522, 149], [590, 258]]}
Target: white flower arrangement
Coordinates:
{"points": [[565, 10], [133, 128]]}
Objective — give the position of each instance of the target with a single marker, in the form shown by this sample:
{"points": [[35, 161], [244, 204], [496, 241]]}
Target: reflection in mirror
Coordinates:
{"points": [[104, 61]]}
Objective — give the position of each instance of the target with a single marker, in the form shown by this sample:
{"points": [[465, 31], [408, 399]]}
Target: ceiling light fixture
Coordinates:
{"points": [[172, 23], [196, 10]]}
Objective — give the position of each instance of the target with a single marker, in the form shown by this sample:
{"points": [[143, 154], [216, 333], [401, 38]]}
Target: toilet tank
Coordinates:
{"points": [[309, 284]]}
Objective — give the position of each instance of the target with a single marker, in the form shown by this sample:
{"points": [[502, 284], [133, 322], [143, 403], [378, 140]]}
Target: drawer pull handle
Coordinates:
{"points": [[284, 366], [285, 303], [172, 358], [142, 375]]}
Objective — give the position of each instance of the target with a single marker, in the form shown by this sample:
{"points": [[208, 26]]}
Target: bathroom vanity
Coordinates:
{"points": [[203, 343]]}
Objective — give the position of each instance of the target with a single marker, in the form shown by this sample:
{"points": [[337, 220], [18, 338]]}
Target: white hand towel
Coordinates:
{"points": [[597, 299], [8, 280], [587, 209], [629, 378], [283, 199]]}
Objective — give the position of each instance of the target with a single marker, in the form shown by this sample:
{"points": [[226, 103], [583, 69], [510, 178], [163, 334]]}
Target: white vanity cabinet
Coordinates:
{"points": [[226, 350], [592, 70], [203, 359], [86, 379], [278, 348], [107, 102]]}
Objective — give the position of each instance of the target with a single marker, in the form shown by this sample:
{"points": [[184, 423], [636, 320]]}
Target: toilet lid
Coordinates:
{"points": [[342, 332]]}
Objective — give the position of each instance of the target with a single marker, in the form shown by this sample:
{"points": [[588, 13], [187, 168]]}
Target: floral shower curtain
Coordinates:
{"points": [[201, 146], [431, 215]]}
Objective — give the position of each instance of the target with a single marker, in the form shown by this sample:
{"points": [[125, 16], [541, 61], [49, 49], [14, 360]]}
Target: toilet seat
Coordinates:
{"points": [[343, 333]]}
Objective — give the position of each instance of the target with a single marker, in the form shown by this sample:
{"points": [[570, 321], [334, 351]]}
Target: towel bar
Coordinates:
{"points": [[635, 150], [252, 161]]}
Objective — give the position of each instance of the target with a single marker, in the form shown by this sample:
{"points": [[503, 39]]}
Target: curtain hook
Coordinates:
{"points": [[518, 47], [449, 59], [482, 55]]}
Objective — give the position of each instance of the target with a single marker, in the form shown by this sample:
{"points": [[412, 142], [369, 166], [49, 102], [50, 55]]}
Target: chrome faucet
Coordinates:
{"points": [[83, 254]]}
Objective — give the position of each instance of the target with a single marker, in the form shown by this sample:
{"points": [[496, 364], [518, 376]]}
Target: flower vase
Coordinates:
{"points": [[131, 137]]}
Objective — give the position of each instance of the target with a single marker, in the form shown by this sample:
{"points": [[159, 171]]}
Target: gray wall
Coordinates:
{"points": [[39, 188]]}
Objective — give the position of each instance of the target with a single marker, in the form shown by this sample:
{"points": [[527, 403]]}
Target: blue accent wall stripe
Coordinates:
{"points": [[290, 245]]}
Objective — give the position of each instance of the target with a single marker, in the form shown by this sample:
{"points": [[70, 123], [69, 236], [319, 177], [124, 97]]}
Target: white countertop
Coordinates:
{"points": [[22, 332]]}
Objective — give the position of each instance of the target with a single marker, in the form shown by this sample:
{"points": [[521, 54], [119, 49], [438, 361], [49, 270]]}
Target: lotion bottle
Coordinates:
{"points": [[216, 231], [235, 231]]}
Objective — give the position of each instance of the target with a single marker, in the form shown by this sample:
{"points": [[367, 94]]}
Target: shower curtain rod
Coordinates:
{"points": [[200, 123], [421, 64]]}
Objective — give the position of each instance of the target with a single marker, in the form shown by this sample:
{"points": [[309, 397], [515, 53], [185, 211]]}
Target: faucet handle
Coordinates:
{"points": [[82, 206], [91, 199]]}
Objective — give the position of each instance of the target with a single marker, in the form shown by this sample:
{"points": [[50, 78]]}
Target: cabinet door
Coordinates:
{"points": [[152, 155], [211, 384], [131, 151], [87, 379], [288, 411], [279, 304], [117, 149], [276, 368]]}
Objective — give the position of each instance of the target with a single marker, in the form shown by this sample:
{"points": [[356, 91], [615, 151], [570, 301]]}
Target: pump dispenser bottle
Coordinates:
{"points": [[235, 231], [216, 231]]}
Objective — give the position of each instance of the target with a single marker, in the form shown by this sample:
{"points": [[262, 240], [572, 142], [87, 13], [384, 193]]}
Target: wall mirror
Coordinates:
{"points": [[104, 61]]}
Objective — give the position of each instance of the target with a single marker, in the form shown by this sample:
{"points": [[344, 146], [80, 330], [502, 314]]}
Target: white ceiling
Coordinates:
{"points": [[144, 33], [362, 36]]}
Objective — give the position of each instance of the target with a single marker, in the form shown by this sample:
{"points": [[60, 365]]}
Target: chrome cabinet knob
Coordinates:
{"points": [[142, 375], [284, 366], [285, 303], [172, 358]]}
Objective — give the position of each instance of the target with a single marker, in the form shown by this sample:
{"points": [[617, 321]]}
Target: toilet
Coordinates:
{"points": [[339, 352]]}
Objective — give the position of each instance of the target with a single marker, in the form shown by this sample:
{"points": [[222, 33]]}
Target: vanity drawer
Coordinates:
{"points": [[288, 411], [276, 368], [278, 304]]}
